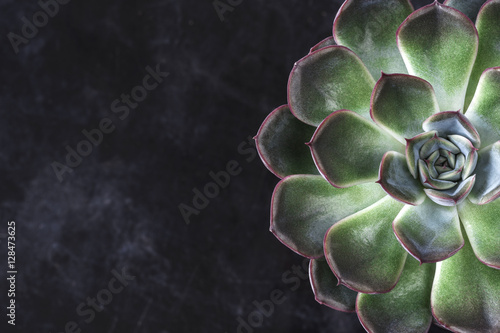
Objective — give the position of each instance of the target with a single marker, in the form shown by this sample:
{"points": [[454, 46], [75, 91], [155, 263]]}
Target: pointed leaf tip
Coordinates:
{"points": [[427, 55], [279, 143], [338, 136], [304, 207]]}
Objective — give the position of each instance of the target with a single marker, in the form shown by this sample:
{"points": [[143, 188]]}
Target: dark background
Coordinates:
{"points": [[119, 208]]}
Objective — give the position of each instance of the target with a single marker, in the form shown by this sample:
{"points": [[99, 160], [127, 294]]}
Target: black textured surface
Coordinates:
{"points": [[119, 207]]}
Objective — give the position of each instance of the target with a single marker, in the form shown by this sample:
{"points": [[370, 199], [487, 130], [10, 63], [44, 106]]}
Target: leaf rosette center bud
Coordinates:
{"points": [[444, 158]]}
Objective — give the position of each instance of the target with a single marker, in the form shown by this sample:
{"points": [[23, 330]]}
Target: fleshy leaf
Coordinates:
{"points": [[468, 150], [327, 80], [483, 230], [487, 187], [281, 144], [400, 103], [397, 181], [454, 196], [304, 207], [431, 183], [368, 28], [329, 41], [450, 122], [437, 143], [489, 43], [465, 294], [462, 143], [468, 7], [484, 110], [429, 232], [326, 289], [445, 62], [362, 250], [406, 308], [348, 148], [413, 147]]}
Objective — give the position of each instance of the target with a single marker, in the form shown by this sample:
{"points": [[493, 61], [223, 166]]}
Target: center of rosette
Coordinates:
{"points": [[444, 164]]}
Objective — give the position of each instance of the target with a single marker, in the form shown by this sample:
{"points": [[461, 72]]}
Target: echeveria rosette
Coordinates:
{"points": [[394, 201]]}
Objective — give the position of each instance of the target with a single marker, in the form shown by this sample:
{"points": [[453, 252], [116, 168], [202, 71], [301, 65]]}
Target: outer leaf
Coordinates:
{"points": [[281, 144], [348, 148], [329, 41], [429, 232], [454, 196], [483, 230], [406, 308], [452, 123], [446, 62], [487, 187], [466, 294], [326, 289], [327, 80], [362, 250], [397, 181], [400, 103], [484, 110], [489, 43], [468, 7], [368, 28], [304, 207]]}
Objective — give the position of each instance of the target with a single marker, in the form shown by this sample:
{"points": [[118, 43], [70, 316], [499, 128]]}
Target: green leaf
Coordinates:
{"points": [[329, 41], [468, 7], [281, 143], [468, 150], [489, 43], [304, 207], [484, 110], [397, 181], [328, 80], [400, 103], [439, 44], [429, 232], [362, 250], [483, 230], [465, 295], [453, 196], [487, 187], [348, 148], [326, 289], [429, 182], [406, 308], [413, 147], [452, 123], [368, 28]]}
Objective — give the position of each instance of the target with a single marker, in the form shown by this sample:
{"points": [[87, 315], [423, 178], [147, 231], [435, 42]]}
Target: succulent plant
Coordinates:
{"points": [[394, 200]]}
